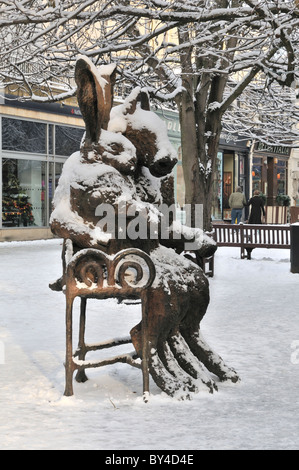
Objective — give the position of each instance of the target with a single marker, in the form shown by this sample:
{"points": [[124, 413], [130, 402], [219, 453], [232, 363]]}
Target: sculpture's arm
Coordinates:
{"points": [[82, 234], [184, 238]]}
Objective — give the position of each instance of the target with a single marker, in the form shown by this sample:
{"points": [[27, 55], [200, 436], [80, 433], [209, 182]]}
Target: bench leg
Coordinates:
{"points": [[145, 349], [69, 365], [248, 253], [81, 375]]}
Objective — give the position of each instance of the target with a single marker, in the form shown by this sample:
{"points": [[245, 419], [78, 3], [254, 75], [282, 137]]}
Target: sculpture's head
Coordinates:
{"points": [[146, 131], [95, 98]]}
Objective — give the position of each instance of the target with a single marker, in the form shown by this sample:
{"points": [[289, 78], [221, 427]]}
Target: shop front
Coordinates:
{"points": [[270, 171], [232, 167], [35, 142], [171, 119], [232, 171], [293, 182]]}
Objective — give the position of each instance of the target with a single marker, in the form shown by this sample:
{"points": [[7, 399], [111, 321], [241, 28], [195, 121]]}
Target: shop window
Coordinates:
{"points": [[257, 174], [23, 193], [67, 139], [217, 189], [51, 139], [23, 136], [281, 177], [227, 188], [55, 170]]}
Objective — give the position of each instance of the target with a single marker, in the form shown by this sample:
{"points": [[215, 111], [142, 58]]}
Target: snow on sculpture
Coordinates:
{"points": [[110, 197]]}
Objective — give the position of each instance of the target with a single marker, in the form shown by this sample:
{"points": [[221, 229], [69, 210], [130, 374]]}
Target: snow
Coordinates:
{"points": [[78, 174], [252, 322], [121, 118]]}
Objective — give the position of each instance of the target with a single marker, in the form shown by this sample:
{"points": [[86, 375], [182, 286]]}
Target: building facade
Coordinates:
{"points": [[232, 167], [293, 177], [35, 141], [269, 170], [233, 171]]}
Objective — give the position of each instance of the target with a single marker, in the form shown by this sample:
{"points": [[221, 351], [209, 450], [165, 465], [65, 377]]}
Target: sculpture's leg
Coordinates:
{"points": [[180, 362], [209, 358], [190, 330], [69, 365], [189, 362], [165, 380], [81, 375], [163, 367]]}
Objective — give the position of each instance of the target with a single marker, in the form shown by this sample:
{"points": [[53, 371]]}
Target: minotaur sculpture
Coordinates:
{"points": [[110, 199]]}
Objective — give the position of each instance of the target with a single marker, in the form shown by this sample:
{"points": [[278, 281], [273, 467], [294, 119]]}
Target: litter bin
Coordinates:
{"points": [[295, 248]]}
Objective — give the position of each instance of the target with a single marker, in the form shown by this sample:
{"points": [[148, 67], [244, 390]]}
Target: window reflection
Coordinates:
{"points": [[23, 193], [23, 136], [67, 139], [257, 174], [28, 184], [55, 170], [281, 177]]}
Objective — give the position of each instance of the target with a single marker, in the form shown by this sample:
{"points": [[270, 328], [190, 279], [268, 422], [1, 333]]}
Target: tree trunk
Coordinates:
{"points": [[200, 140], [189, 150]]}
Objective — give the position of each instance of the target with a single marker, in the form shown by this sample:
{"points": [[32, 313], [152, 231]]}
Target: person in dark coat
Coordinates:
{"points": [[257, 208]]}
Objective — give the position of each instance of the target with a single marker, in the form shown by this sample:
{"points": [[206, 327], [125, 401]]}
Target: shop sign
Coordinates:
{"points": [[228, 137], [274, 149], [76, 112], [172, 122], [173, 126], [50, 108], [233, 141]]}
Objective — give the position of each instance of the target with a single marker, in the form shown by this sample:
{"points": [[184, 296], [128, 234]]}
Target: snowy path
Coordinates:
{"points": [[252, 322]]}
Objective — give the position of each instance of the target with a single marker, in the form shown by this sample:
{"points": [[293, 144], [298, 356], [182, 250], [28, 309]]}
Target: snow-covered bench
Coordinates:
{"points": [[248, 237]]}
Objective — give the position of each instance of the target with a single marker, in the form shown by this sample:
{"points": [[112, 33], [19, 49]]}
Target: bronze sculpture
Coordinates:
{"points": [[108, 201]]}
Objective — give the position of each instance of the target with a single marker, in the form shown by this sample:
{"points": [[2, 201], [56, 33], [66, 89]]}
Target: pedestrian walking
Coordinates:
{"points": [[236, 202], [257, 208]]}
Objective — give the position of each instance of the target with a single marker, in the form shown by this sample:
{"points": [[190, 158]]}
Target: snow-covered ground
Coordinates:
{"points": [[252, 322]]}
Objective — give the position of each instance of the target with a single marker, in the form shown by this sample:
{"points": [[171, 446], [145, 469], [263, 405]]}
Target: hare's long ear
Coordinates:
{"points": [[144, 100], [108, 73], [120, 115], [95, 96], [136, 96], [88, 100], [130, 103]]}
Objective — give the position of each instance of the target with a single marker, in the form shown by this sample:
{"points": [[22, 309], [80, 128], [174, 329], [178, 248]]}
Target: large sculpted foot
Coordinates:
{"points": [[209, 358], [181, 371]]}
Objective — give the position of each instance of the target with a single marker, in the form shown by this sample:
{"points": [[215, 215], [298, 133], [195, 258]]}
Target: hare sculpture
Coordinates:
{"points": [[123, 172]]}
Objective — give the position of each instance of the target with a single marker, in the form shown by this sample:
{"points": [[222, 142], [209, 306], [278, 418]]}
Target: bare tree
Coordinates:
{"points": [[217, 61]]}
